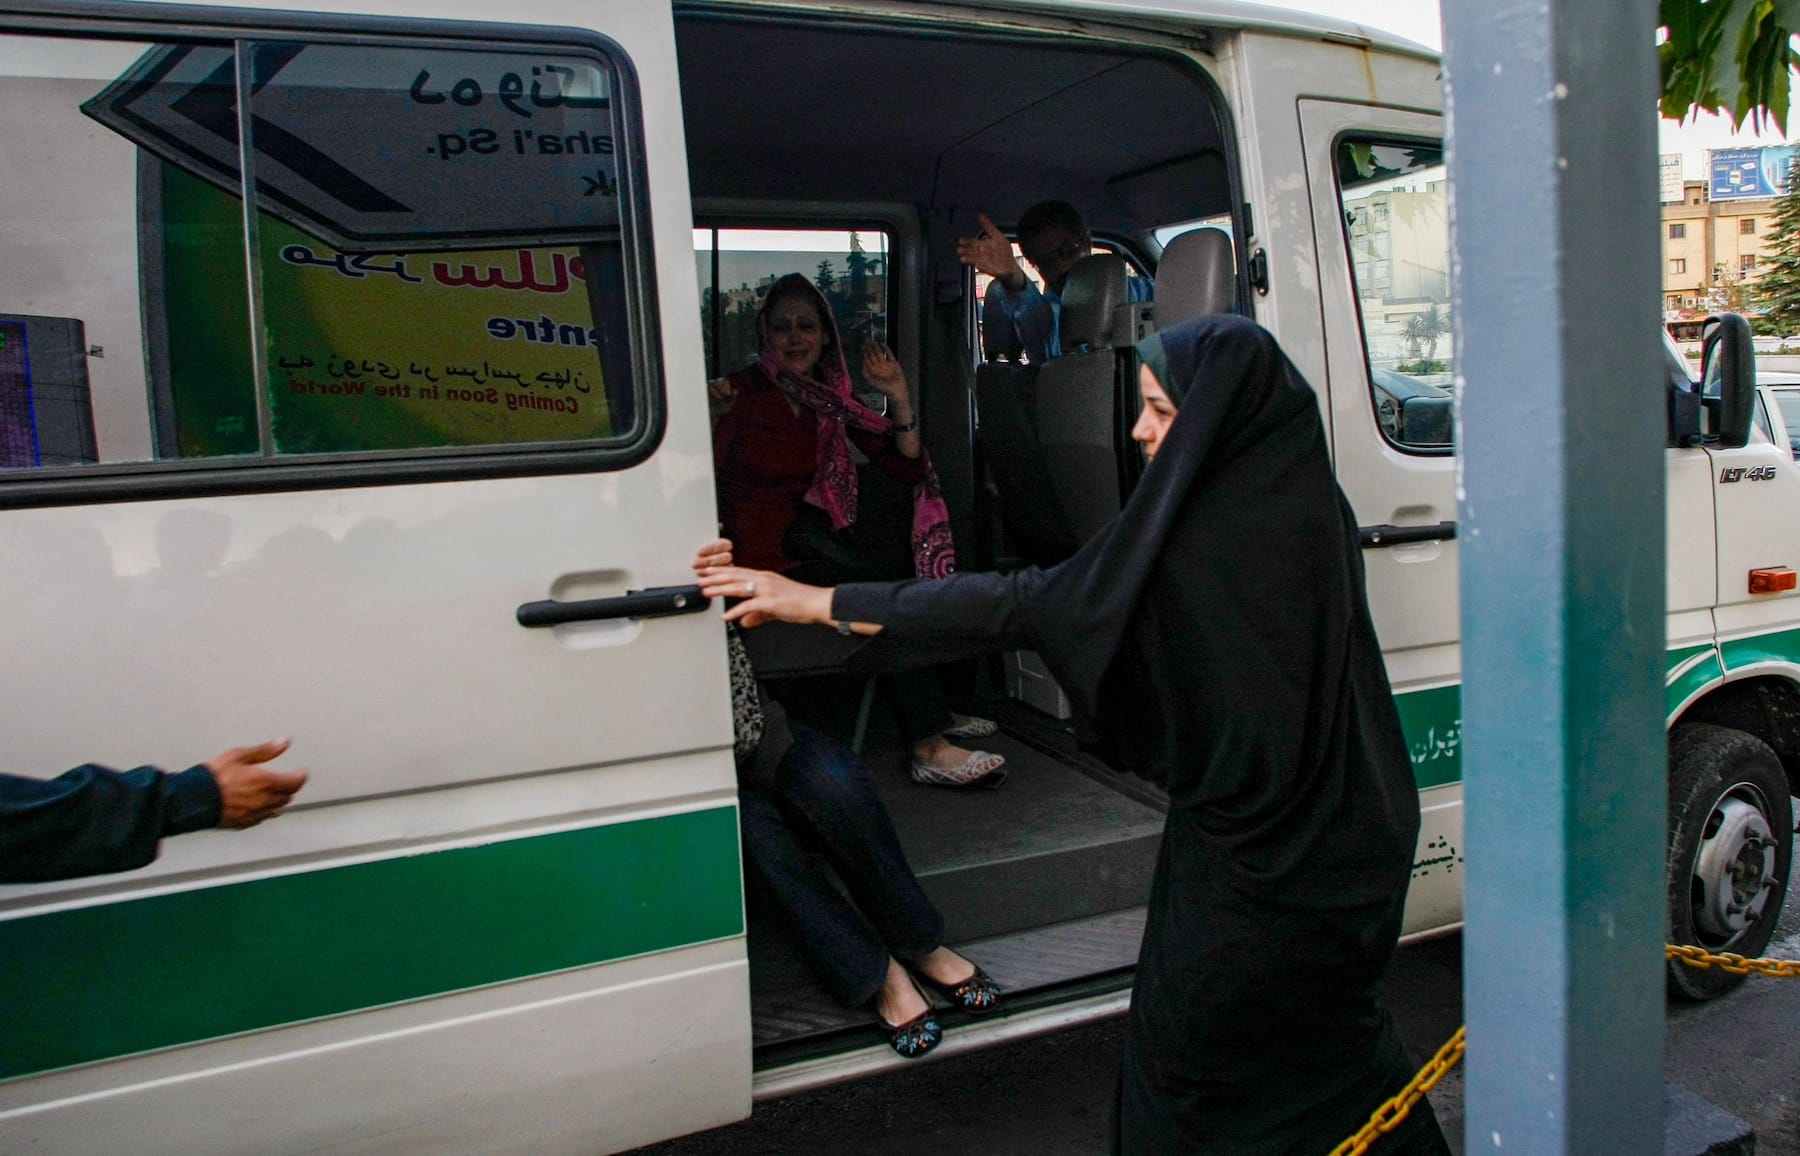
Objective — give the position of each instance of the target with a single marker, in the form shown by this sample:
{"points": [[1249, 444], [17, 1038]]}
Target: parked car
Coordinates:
{"points": [[1780, 409], [1412, 412]]}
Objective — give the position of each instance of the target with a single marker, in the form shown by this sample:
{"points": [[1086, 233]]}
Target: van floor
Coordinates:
{"points": [[1042, 882]]}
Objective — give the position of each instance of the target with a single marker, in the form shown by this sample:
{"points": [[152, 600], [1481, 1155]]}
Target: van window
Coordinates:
{"points": [[737, 266], [1395, 197], [432, 258]]}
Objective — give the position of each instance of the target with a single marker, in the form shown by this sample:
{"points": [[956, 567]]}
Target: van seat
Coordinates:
{"points": [[1006, 405], [1090, 303], [1196, 276], [1078, 396]]}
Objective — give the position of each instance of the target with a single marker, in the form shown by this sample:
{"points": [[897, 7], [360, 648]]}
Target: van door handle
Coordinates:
{"points": [[657, 602], [1379, 537]]}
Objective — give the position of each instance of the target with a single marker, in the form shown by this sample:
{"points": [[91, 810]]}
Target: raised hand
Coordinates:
{"points": [[991, 253], [883, 371]]}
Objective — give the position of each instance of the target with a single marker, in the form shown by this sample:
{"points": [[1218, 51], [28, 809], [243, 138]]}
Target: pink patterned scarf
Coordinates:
{"points": [[833, 487]]}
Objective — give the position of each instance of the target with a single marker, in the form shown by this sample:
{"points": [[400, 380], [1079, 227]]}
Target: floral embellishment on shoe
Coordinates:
{"points": [[978, 995], [916, 1036]]}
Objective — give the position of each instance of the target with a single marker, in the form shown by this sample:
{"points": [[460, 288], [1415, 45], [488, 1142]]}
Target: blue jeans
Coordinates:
{"points": [[824, 800]]}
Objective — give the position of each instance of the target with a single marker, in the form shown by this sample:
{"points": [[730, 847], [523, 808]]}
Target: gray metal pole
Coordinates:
{"points": [[1552, 121]]}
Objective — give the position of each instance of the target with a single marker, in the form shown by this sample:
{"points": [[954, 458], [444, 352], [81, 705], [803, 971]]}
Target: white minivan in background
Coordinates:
{"points": [[352, 387]]}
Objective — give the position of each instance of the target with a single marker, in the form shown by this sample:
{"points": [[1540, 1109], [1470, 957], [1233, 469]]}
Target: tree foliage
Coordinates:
{"points": [[1424, 330], [1732, 57], [1778, 284]]}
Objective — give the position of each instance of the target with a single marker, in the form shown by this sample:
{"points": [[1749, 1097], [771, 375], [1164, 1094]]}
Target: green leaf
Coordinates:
{"points": [[1728, 56], [1730, 52]]}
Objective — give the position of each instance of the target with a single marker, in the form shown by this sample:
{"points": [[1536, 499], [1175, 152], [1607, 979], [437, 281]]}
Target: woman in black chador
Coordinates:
{"points": [[1215, 639]]}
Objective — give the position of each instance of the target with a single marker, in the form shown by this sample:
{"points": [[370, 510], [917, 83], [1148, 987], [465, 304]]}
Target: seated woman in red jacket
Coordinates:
{"points": [[783, 440]]}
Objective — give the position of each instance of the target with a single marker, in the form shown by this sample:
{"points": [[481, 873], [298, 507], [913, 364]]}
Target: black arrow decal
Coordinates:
{"points": [[319, 170], [212, 104]]}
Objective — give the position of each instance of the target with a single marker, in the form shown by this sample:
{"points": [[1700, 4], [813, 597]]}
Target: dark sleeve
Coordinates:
{"points": [[725, 431], [91, 820], [928, 621], [880, 449]]}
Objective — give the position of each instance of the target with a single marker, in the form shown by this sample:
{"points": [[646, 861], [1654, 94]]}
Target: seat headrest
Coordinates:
{"points": [[999, 339], [1090, 298], [1196, 276]]}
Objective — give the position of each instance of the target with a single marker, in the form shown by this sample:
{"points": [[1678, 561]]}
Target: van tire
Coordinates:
{"points": [[1731, 832]]}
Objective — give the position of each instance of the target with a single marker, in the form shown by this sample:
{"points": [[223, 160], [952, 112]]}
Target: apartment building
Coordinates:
{"points": [[1710, 245]]}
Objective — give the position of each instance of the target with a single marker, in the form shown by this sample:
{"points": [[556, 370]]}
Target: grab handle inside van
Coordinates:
{"points": [[658, 602]]}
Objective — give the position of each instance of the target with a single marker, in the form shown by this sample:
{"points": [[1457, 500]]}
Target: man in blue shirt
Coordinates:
{"points": [[1053, 237]]}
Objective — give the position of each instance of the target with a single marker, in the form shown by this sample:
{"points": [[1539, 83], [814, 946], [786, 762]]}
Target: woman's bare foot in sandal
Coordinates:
{"points": [[938, 762]]}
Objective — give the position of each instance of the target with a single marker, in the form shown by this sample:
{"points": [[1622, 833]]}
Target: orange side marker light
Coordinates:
{"points": [[1772, 579]]}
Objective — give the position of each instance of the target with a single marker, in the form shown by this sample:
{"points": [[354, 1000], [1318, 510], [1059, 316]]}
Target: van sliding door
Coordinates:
{"points": [[338, 401]]}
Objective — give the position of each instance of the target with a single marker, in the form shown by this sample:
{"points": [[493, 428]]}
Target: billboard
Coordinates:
{"points": [[1669, 173], [1669, 170], [370, 351], [1741, 174]]}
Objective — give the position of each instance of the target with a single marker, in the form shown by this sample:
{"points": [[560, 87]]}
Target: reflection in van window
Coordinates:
{"points": [[1395, 208], [433, 257]]}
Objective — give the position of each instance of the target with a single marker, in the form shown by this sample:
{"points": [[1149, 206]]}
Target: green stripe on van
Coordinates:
{"points": [[1681, 687], [1432, 723], [1432, 719], [97, 982], [1781, 646]]}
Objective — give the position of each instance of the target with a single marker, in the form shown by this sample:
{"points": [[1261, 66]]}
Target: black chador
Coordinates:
{"points": [[1215, 638]]}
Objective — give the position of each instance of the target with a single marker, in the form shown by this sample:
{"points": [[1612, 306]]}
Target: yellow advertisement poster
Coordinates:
{"points": [[386, 351]]}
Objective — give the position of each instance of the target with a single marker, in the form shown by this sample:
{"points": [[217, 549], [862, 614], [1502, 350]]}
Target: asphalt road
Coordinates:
{"points": [[1052, 1096]]}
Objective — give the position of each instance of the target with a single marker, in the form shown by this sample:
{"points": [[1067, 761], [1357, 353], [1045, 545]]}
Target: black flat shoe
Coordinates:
{"points": [[978, 995], [916, 1036]]}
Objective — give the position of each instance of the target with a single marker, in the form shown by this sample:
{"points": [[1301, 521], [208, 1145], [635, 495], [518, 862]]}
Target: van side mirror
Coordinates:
{"points": [[1728, 378]]}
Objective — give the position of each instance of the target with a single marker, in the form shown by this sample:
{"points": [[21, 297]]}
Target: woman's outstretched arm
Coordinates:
{"points": [[925, 622], [765, 596]]}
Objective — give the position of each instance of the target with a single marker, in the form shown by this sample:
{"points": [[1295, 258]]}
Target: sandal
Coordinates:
{"points": [[978, 995], [980, 770], [916, 1036], [969, 726]]}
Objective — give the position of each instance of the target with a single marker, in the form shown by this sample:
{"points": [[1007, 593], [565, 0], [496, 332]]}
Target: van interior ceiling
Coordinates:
{"points": [[953, 124], [1043, 882]]}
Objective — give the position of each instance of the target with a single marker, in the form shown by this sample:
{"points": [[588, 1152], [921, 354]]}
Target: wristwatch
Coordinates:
{"points": [[896, 427]]}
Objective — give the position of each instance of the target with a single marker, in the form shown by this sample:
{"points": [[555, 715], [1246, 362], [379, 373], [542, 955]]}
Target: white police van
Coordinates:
{"points": [[405, 453]]}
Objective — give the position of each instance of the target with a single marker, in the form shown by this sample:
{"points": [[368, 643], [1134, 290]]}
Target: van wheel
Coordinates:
{"points": [[1731, 834]]}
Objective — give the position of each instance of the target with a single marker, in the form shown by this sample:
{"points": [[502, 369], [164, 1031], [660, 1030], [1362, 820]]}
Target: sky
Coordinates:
{"points": [[1418, 20]]}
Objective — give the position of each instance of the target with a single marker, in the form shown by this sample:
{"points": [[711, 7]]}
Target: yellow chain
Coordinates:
{"points": [[1734, 964], [1388, 1117]]}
